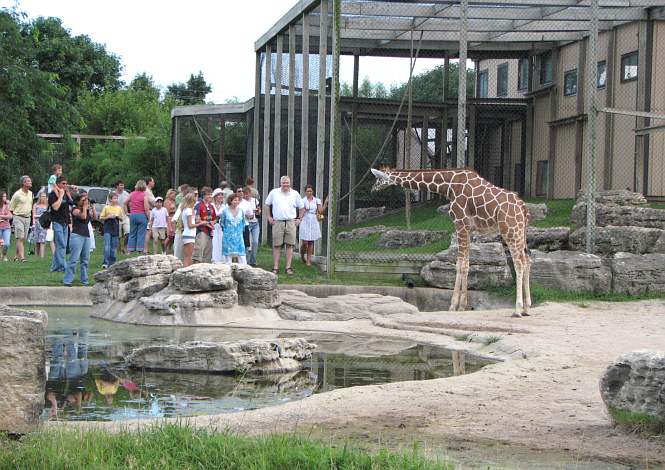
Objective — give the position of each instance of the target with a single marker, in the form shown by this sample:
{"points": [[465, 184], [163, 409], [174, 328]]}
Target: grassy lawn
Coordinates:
{"points": [[176, 446]]}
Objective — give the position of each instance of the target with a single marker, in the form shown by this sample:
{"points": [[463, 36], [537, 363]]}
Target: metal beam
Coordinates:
{"points": [[321, 122], [277, 134], [304, 130], [296, 11], [461, 86], [290, 149], [257, 119], [265, 187]]}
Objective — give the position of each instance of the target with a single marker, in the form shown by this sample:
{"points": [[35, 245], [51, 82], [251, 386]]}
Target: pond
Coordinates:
{"points": [[88, 378]]}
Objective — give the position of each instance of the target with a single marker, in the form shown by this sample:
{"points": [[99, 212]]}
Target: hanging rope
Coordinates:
{"points": [[392, 127]]}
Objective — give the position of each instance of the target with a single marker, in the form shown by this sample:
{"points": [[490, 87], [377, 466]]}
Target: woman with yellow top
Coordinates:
{"points": [[111, 217]]}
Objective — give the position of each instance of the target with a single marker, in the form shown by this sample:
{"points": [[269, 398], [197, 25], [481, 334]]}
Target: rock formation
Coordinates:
{"points": [[635, 382], [571, 271], [409, 238], [22, 359], [252, 356]]}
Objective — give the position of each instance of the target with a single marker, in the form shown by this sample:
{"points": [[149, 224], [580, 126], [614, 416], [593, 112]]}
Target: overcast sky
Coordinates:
{"points": [[170, 40]]}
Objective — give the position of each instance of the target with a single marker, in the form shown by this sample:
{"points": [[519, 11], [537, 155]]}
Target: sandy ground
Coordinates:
{"points": [[539, 408]]}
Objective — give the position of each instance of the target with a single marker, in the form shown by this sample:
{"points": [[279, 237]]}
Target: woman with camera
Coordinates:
{"points": [[310, 229], [79, 241]]}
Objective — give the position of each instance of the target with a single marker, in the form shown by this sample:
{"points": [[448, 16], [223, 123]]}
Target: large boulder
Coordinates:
{"points": [[252, 356], [547, 239], [488, 267], [619, 197], [570, 271], [299, 306], [636, 274], [22, 360], [409, 238], [203, 277], [635, 382], [361, 233], [173, 302], [256, 286], [366, 213], [611, 214], [139, 267], [537, 211], [613, 239]]}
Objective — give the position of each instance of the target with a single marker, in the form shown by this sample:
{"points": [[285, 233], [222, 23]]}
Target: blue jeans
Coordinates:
{"points": [[79, 252], [138, 223], [254, 239], [110, 247], [60, 240], [6, 235]]}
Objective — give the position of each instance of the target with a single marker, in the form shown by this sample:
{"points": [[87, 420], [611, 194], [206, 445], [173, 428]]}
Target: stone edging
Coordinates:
{"points": [[48, 296]]}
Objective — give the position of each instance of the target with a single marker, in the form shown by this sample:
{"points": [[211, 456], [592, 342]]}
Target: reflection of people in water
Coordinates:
{"points": [[67, 369], [107, 385]]}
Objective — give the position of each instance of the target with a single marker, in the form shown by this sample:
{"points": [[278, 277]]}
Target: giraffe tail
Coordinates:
{"points": [[527, 221]]}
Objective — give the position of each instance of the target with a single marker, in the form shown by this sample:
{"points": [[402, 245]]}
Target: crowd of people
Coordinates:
{"points": [[197, 226]]}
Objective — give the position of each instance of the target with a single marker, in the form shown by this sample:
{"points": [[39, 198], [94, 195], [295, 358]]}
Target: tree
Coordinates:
{"points": [[192, 92], [145, 84], [428, 86], [79, 63]]}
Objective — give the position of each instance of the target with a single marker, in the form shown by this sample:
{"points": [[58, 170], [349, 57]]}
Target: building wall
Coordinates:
{"points": [[491, 65], [564, 164], [541, 134]]}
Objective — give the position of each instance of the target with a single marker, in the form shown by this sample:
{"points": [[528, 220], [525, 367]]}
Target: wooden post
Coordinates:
{"points": [[472, 136], [265, 187], [321, 121], [304, 131], [444, 117], [354, 139], [257, 120], [461, 85], [222, 150], [291, 103], [208, 177], [277, 134], [335, 143], [176, 152]]}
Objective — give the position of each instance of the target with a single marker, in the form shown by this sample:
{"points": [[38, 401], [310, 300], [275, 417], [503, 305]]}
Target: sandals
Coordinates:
{"points": [[275, 271], [289, 271]]}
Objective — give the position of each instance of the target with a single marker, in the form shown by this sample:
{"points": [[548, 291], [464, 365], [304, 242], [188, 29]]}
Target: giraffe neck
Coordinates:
{"points": [[433, 181]]}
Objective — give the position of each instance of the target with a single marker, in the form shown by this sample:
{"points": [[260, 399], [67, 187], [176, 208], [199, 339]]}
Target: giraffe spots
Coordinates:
{"points": [[475, 182], [477, 191], [433, 188], [459, 178], [419, 178], [494, 190], [457, 188], [502, 197], [438, 178], [511, 198], [457, 211]]}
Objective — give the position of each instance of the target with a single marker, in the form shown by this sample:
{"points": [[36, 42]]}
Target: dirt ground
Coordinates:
{"points": [[538, 408]]}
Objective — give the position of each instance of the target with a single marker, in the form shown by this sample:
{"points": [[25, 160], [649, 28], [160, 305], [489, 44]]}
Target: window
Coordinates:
{"points": [[546, 68], [523, 74], [483, 86], [542, 176], [629, 67], [570, 83], [601, 74], [502, 80]]}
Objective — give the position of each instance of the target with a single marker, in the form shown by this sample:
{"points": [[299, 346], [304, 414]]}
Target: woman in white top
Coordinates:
{"points": [[188, 228], [310, 229], [217, 234]]}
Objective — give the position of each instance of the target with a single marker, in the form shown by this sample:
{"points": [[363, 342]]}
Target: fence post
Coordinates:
{"points": [[592, 111], [335, 142], [461, 95]]}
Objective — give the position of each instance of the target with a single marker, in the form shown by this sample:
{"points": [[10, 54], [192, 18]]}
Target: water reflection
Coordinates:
{"points": [[88, 379]]}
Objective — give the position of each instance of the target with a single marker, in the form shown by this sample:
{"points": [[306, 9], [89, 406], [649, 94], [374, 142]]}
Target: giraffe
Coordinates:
{"points": [[476, 205]]}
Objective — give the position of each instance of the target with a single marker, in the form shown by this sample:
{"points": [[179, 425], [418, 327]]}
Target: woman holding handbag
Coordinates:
{"points": [[310, 229], [39, 232]]}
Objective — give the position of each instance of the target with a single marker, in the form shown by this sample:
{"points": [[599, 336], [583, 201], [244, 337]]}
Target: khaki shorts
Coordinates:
{"points": [[124, 227], [284, 232], [202, 248], [159, 233], [21, 227]]}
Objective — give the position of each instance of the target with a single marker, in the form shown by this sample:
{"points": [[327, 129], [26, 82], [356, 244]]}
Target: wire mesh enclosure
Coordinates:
{"points": [[542, 98]]}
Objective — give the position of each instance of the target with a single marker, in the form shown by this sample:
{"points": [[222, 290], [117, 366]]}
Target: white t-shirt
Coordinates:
{"points": [[159, 217], [186, 230], [249, 208], [284, 205]]}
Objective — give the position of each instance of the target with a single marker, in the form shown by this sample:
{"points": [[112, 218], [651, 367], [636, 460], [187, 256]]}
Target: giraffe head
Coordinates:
{"points": [[383, 180]]}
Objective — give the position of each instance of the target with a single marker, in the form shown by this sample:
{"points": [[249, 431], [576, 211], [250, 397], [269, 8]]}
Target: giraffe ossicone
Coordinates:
{"points": [[476, 205]]}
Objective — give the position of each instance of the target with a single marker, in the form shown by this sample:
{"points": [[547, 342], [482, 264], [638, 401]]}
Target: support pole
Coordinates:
{"points": [[208, 138], [176, 155], [265, 187], [335, 142], [277, 134], [408, 132], [461, 95], [444, 117], [592, 112], [290, 148], [321, 121], [257, 119], [354, 139], [222, 150], [304, 131]]}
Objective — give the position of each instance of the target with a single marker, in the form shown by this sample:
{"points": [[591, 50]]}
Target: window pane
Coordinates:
{"points": [[546, 68], [523, 74], [601, 74], [570, 83], [629, 66], [482, 84], [502, 80]]}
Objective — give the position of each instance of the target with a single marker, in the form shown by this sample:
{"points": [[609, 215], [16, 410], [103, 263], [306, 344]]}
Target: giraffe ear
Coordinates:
{"points": [[379, 174]]}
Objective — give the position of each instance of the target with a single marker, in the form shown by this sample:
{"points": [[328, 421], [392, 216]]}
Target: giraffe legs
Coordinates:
{"points": [[522, 271], [459, 300]]}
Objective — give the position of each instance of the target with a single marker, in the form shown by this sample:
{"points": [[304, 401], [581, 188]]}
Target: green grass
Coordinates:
{"points": [[558, 212], [637, 422], [542, 294], [175, 447]]}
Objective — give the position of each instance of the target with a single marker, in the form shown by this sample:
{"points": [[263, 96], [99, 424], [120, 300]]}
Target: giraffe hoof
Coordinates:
{"points": [[517, 315]]}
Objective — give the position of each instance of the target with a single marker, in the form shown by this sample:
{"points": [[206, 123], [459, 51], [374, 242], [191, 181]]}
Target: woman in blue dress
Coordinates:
{"points": [[233, 223]]}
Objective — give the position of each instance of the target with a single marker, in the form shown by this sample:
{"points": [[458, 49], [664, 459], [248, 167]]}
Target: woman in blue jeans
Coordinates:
{"points": [[138, 207], [79, 241]]}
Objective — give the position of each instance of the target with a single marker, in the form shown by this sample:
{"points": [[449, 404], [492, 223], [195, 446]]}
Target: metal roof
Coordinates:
{"points": [[495, 27], [229, 110]]}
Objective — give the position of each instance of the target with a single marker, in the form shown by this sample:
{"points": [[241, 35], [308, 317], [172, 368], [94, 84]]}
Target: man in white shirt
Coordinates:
{"points": [[285, 210]]}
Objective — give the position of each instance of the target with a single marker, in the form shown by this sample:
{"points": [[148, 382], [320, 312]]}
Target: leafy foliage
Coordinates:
{"points": [[192, 92]]}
